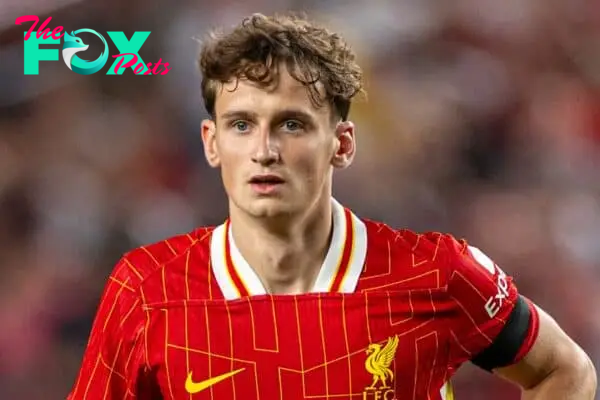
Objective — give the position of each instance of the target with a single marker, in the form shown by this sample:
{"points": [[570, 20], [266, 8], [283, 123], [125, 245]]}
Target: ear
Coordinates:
{"points": [[209, 138], [345, 145]]}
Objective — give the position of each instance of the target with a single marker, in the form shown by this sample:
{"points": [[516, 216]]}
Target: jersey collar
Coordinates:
{"points": [[339, 272]]}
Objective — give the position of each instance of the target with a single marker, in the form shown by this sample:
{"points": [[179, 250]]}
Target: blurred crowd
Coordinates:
{"points": [[482, 120]]}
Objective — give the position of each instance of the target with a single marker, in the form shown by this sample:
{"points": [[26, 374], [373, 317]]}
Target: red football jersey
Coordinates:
{"points": [[392, 315]]}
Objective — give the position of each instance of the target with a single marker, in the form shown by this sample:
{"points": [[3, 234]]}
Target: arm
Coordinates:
{"points": [[502, 332], [114, 356], [555, 367]]}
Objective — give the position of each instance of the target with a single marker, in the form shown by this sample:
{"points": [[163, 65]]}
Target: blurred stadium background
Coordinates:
{"points": [[483, 120]]}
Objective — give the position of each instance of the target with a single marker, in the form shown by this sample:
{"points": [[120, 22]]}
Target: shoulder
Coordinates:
{"points": [[423, 247], [407, 254], [141, 264]]}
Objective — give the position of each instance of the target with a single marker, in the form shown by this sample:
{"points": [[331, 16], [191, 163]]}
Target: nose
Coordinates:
{"points": [[267, 151]]}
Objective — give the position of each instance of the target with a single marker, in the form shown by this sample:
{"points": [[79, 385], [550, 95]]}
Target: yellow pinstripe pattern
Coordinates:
{"points": [[165, 298], [126, 316], [133, 269], [112, 308], [231, 347], [471, 318], [123, 284], [383, 274], [320, 307], [367, 318], [170, 247], [126, 368], [150, 255], [112, 368], [407, 319], [146, 328], [298, 325], [276, 349], [460, 344], [435, 272], [326, 365], [187, 341], [208, 347], [432, 369], [211, 355], [87, 388], [346, 344], [187, 282]]}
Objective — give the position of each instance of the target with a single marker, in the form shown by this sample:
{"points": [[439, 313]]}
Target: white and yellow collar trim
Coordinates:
{"points": [[339, 272]]}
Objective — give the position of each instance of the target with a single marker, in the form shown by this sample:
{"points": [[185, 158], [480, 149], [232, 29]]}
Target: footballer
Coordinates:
{"points": [[294, 296]]}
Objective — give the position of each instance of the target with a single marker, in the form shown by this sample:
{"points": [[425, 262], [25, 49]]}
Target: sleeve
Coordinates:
{"points": [[493, 325], [113, 360]]}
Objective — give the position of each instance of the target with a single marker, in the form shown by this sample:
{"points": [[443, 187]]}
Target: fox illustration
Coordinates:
{"points": [[73, 45]]}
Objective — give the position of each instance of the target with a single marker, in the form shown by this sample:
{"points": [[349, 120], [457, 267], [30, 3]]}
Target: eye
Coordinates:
{"points": [[241, 126], [292, 125]]}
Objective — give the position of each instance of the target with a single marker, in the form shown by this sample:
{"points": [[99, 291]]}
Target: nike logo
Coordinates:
{"points": [[195, 387]]}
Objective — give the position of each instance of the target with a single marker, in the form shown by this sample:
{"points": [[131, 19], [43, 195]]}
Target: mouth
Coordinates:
{"points": [[265, 184], [266, 179]]}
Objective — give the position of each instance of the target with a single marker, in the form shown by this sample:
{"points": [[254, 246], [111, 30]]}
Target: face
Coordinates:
{"points": [[276, 150]]}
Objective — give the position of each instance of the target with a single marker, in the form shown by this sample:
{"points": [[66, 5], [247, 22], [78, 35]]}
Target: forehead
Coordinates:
{"points": [[286, 92]]}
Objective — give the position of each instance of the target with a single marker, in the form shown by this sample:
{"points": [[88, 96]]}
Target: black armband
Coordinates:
{"points": [[507, 344]]}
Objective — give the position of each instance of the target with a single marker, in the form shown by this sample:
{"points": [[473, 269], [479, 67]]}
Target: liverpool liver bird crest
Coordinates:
{"points": [[379, 360]]}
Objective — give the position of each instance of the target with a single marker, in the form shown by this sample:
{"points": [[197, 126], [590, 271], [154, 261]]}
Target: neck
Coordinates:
{"points": [[285, 252]]}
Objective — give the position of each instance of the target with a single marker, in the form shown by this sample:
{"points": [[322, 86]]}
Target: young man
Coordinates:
{"points": [[294, 296]]}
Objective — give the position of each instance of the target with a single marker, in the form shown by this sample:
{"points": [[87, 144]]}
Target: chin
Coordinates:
{"points": [[270, 207]]}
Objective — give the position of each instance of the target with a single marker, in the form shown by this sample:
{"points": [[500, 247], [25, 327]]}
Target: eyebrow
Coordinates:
{"points": [[238, 114], [279, 115], [294, 113]]}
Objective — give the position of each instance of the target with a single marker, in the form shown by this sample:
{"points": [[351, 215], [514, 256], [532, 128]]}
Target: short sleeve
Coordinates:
{"points": [[114, 353], [484, 297]]}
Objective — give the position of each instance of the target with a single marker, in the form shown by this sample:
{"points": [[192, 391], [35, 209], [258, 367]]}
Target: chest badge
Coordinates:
{"points": [[378, 364]]}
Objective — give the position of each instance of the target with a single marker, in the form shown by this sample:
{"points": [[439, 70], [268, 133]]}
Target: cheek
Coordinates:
{"points": [[230, 157], [313, 163], [231, 149]]}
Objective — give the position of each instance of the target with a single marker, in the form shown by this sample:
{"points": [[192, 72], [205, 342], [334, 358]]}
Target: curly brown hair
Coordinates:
{"points": [[256, 48]]}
